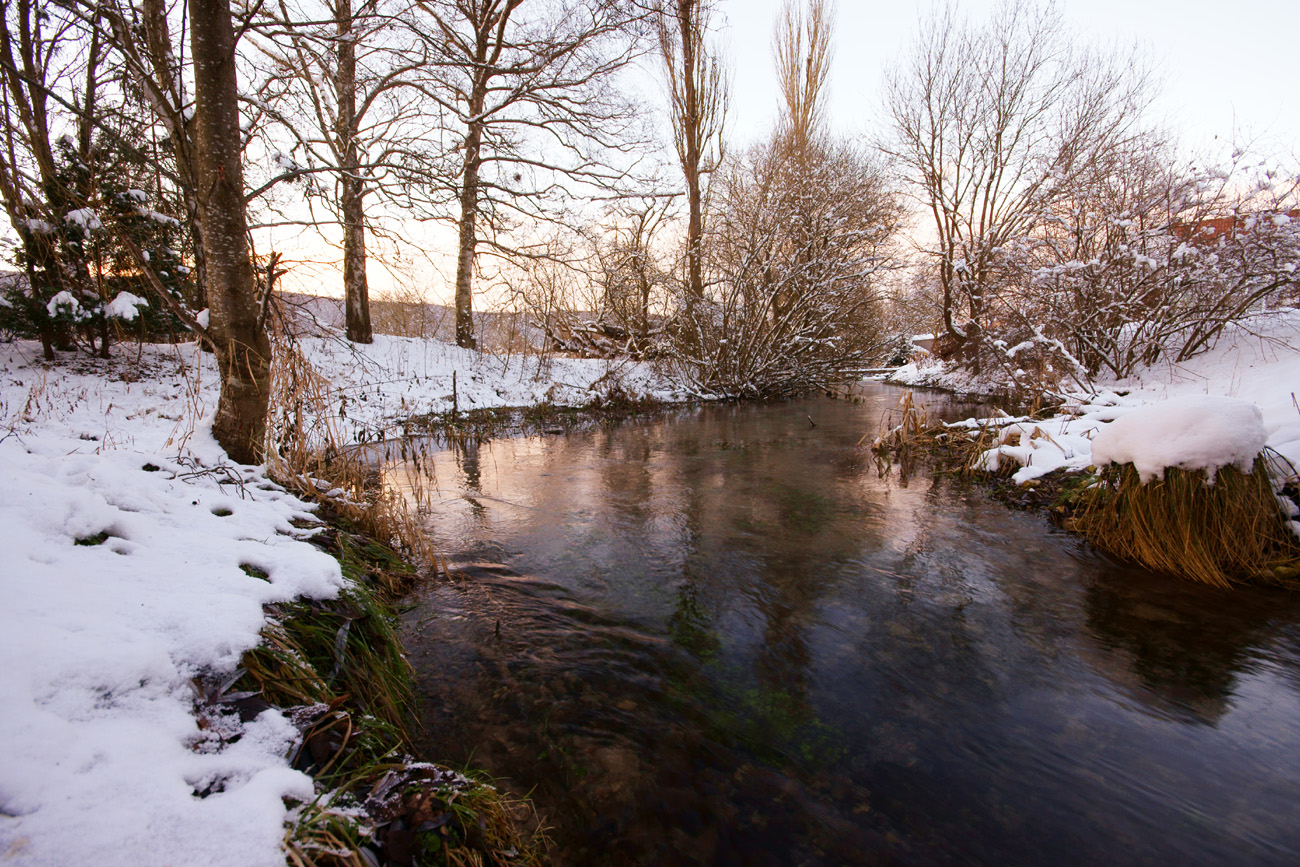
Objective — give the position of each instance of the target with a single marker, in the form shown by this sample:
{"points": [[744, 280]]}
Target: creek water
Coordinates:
{"points": [[720, 637]]}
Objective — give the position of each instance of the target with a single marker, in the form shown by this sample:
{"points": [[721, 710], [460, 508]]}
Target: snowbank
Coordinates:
{"points": [[1253, 372], [122, 582], [402, 376]]}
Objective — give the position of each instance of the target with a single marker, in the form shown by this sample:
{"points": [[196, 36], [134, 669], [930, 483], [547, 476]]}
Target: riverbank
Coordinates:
{"points": [[1257, 360], [142, 569], [1184, 416]]}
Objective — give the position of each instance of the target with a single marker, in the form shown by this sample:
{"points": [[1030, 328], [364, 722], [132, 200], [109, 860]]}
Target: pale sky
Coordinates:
{"points": [[1230, 68]]}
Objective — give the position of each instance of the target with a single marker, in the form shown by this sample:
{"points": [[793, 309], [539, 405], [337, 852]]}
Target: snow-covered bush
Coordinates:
{"points": [[1185, 487], [1139, 262]]}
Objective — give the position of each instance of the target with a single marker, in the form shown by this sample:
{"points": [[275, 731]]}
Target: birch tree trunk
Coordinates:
{"points": [[489, 24], [468, 237]]}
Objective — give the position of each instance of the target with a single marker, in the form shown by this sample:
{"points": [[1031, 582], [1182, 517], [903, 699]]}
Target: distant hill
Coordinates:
{"points": [[496, 331]]}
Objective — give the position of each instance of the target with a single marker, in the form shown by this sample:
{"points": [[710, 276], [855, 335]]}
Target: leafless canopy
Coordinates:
{"points": [[527, 90], [698, 92], [991, 124]]}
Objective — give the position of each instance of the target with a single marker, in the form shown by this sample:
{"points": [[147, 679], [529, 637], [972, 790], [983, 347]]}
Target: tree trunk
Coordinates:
{"points": [[239, 337], [168, 105], [468, 240], [692, 131], [355, 288]]}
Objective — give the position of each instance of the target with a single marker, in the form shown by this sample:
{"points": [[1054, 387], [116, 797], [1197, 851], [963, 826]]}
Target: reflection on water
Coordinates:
{"points": [[721, 639]]}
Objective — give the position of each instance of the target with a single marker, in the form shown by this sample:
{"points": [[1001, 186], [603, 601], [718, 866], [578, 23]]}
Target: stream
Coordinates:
{"points": [[720, 637]]}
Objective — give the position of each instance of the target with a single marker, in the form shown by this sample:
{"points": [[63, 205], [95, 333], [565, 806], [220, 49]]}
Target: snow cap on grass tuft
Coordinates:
{"points": [[1188, 433]]}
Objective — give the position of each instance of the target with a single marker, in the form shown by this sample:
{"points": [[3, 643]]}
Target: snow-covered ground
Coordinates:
{"points": [[123, 530], [401, 376], [1170, 421]]}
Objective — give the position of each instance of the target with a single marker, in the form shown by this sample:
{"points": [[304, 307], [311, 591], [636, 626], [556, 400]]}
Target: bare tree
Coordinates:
{"points": [[801, 259], [631, 275], [236, 325], [991, 124], [803, 50], [1152, 257], [338, 84], [528, 89], [30, 45], [802, 231], [697, 89], [605, 292]]}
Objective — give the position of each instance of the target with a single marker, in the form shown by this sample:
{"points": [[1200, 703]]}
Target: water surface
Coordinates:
{"points": [[721, 638]]}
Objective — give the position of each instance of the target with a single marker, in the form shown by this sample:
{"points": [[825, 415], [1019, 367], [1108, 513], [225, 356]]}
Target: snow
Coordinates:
{"points": [[285, 162], [85, 219], [1197, 414], [39, 227], [64, 303], [395, 377], [1197, 432], [157, 217], [124, 306], [101, 755]]}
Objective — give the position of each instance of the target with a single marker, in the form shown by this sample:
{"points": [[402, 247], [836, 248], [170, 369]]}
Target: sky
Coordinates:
{"points": [[1231, 69]]}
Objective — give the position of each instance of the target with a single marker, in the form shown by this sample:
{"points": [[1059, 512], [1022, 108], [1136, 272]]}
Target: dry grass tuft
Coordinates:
{"points": [[1219, 533], [403, 311], [308, 453], [903, 434]]}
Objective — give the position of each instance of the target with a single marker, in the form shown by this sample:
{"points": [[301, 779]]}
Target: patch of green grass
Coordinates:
{"points": [[338, 667]]}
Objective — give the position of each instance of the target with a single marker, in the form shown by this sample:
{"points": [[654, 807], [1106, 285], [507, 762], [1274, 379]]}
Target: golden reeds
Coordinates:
{"points": [[1217, 532], [903, 432]]}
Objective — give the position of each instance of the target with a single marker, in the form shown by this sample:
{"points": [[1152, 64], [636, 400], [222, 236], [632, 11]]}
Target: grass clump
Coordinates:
{"points": [[337, 668], [1219, 530], [1216, 531]]}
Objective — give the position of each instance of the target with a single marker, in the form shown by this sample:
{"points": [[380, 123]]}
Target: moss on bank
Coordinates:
{"points": [[337, 670]]}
